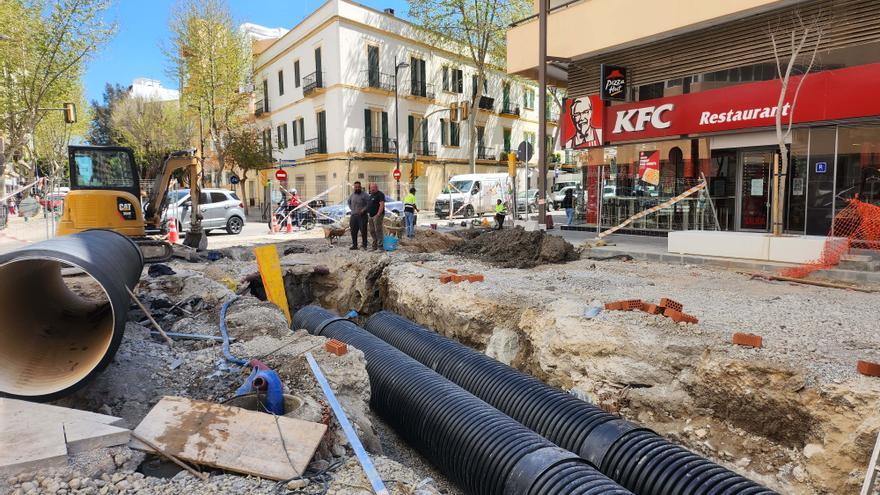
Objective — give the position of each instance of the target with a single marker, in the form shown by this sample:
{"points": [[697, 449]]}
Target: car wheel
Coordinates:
{"points": [[468, 211], [234, 225]]}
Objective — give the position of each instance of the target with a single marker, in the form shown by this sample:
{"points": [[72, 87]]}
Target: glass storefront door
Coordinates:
{"points": [[755, 189]]}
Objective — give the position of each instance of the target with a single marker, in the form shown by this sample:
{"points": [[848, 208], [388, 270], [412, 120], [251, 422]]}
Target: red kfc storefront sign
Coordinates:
{"points": [[824, 96]]}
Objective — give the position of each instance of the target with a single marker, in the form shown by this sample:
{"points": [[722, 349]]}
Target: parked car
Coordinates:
{"points": [[526, 199], [221, 209], [339, 211]]}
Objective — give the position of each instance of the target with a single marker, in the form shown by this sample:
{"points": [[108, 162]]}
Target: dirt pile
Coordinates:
{"points": [[429, 241], [517, 248]]}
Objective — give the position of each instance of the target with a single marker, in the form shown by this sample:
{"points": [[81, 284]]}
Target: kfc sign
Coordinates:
{"points": [[824, 96], [581, 122], [637, 118], [613, 82]]}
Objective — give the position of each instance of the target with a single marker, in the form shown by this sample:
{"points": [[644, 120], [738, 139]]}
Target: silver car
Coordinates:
{"points": [[221, 209]]}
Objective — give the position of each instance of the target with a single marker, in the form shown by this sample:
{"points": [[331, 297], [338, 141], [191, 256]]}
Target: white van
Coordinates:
{"points": [[472, 194]]}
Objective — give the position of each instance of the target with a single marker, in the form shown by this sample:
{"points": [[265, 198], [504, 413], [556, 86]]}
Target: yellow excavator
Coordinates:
{"points": [[105, 193]]}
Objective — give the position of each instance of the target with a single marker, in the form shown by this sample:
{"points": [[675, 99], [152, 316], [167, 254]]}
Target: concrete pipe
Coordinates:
{"points": [[57, 332]]}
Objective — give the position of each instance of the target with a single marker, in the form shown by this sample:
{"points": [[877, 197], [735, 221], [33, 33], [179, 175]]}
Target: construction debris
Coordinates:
{"points": [[666, 307], [515, 248], [231, 438]]}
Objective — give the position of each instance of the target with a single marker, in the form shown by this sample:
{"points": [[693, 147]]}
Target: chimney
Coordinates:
{"points": [[389, 11]]}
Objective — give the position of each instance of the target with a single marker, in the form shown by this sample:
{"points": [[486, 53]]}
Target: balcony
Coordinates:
{"points": [[313, 81], [509, 109], [378, 80], [486, 103], [422, 89], [260, 107], [552, 115], [423, 148], [378, 144], [315, 146], [486, 153]]}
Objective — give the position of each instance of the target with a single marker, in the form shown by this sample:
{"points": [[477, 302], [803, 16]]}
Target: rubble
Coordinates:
{"points": [[516, 248]]}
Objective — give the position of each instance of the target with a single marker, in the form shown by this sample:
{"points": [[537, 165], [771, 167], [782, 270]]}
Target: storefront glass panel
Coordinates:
{"points": [[820, 183], [858, 165], [796, 191]]}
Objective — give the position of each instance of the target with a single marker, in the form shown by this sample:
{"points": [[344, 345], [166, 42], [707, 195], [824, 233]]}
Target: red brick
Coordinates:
{"points": [[748, 339], [477, 277], [631, 304], [651, 309], [452, 270], [676, 316], [614, 306], [669, 303], [868, 368], [458, 278], [445, 278], [334, 346]]}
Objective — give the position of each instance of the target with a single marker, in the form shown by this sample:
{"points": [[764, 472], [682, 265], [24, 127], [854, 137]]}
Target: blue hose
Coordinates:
{"points": [[226, 353]]}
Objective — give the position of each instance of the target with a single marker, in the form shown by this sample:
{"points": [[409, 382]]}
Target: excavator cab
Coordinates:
{"points": [[105, 193]]}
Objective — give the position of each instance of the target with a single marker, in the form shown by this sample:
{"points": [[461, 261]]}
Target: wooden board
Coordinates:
{"points": [[230, 438], [270, 271]]}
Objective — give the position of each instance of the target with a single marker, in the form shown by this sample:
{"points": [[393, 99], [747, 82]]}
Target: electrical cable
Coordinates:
{"points": [[228, 355]]}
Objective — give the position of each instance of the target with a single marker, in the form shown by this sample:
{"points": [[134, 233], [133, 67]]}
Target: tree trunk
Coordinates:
{"points": [[472, 122], [244, 198]]}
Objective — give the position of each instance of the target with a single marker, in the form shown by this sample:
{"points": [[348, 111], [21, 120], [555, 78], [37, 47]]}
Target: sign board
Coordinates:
{"points": [[649, 166], [824, 96], [581, 122], [281, 174], [821, 167], [286, 163], [613, 80], [396, 174], [233, 179], [524, 151]]}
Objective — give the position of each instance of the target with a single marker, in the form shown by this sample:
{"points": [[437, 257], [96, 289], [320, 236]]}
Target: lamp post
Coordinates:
{"points": [[397, 67]]}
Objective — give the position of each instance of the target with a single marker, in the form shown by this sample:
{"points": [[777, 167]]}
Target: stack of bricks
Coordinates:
{"points": [[666, 307], [452, 275]]}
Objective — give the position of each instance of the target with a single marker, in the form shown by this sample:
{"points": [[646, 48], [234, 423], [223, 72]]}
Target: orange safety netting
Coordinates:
{"points": [[856, 227]]}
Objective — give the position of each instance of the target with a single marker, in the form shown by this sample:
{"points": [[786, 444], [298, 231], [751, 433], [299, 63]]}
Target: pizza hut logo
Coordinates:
{"points": [[613, 83]]}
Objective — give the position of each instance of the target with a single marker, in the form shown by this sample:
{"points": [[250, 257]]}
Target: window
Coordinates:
{"points": [[529, 137], [417, 77], [376, 131], [296, 74], [651, 91], [474, 85], [507, 139], [103, 169], [302, 131], [505, 97], [300, 185], [282, 136], [373, 66], [444, 136], [454, 137], [529, 98], [417, 135], [265, 95], [445, 78], [280, 83], [457, 81], [218, 197], [321, 118], [295, 133], [320, 183], [267, 140]]}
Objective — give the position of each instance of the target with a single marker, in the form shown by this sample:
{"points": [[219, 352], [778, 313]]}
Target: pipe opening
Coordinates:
{"points": [[54, 330]]}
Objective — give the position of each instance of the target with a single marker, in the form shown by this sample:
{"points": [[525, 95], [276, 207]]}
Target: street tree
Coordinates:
{"points": [[477, 32], [44, 48], [101, 130], [152, 129], [248, 152], [795, 43], [212, 60], [52, 134]]}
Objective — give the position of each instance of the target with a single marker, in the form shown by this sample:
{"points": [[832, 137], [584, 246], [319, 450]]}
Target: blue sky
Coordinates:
{"points": [[136, 50]]}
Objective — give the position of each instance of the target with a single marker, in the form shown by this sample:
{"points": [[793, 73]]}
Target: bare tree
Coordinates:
{"points": [[248, 152], [795, 54]]}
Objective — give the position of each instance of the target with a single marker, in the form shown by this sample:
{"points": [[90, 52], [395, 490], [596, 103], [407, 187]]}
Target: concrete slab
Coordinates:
{"points": [[82, 436], [31, 447]]}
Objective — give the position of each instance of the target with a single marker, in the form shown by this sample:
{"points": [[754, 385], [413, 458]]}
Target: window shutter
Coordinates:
{"points": [[296, 73], [368, 130], [443, 138], [425, 132], [411, 132], [413, 76], [385, 147], [280, 83], [445, 78], [295, 135], [302, 131]]}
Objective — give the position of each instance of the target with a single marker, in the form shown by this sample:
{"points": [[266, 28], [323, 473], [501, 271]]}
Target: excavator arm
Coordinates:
{"points": [[192, 163]]}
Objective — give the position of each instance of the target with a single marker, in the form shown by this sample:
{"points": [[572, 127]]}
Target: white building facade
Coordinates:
{"points": [[325, 96]]}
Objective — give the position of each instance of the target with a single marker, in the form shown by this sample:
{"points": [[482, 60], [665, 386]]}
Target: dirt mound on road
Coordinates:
{"points": [[429, 241], [517, 248]]}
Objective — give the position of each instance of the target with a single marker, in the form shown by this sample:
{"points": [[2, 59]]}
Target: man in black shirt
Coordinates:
{"points": [[376, 212], [358, 203]]}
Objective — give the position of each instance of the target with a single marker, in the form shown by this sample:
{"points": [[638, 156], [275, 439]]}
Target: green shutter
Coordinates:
{"points": [[368, 130], [411, 124], [385, 132], [443, 136]]}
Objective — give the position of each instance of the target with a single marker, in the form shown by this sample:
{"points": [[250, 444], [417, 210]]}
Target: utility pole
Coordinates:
{"points": [[542, 113]]}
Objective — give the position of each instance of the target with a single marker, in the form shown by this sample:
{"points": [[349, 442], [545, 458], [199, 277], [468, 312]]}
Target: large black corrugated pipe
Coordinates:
{"points": [[478, 447], [635, 457], [57, 333]]}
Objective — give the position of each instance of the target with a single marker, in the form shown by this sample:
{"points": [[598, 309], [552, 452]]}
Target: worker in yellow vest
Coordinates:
{"points": [[500, 212], [409, 212]]}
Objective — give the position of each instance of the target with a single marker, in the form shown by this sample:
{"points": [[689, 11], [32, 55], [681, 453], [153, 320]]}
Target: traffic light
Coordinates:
{"points": [[511, 164], [70, 113], [419, 168]]}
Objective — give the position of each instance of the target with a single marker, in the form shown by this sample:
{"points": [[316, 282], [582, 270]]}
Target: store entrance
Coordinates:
{"points": [[754, 189]]}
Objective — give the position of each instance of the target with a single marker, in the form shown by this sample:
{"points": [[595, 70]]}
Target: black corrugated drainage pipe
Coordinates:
{"points": [[478, 447], [635, 457], [57, 333]]}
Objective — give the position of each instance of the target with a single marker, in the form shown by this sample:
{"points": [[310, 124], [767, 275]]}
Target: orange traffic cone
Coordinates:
{"points": [[173, 236], [289, 229], [274, 224]]}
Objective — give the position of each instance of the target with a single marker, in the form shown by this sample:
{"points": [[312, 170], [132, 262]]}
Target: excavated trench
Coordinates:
{"points": [[761, 419]]}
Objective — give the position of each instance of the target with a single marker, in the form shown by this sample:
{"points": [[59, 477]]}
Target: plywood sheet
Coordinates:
{"points": [[230, 438]]}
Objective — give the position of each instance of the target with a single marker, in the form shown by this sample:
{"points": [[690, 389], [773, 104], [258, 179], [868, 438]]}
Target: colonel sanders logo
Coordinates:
{"points": [[582, 123]]}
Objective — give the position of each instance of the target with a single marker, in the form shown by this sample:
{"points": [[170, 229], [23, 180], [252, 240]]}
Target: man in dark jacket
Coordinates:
{"points": [[358, 202], [568, 204]]}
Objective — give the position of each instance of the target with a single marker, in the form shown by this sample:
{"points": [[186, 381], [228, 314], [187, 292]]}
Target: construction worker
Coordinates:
{"points": [[500, 212], [409, 211]]}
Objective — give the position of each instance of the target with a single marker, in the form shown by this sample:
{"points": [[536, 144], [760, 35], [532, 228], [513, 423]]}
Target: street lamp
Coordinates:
{"points": [[397, 67]]}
